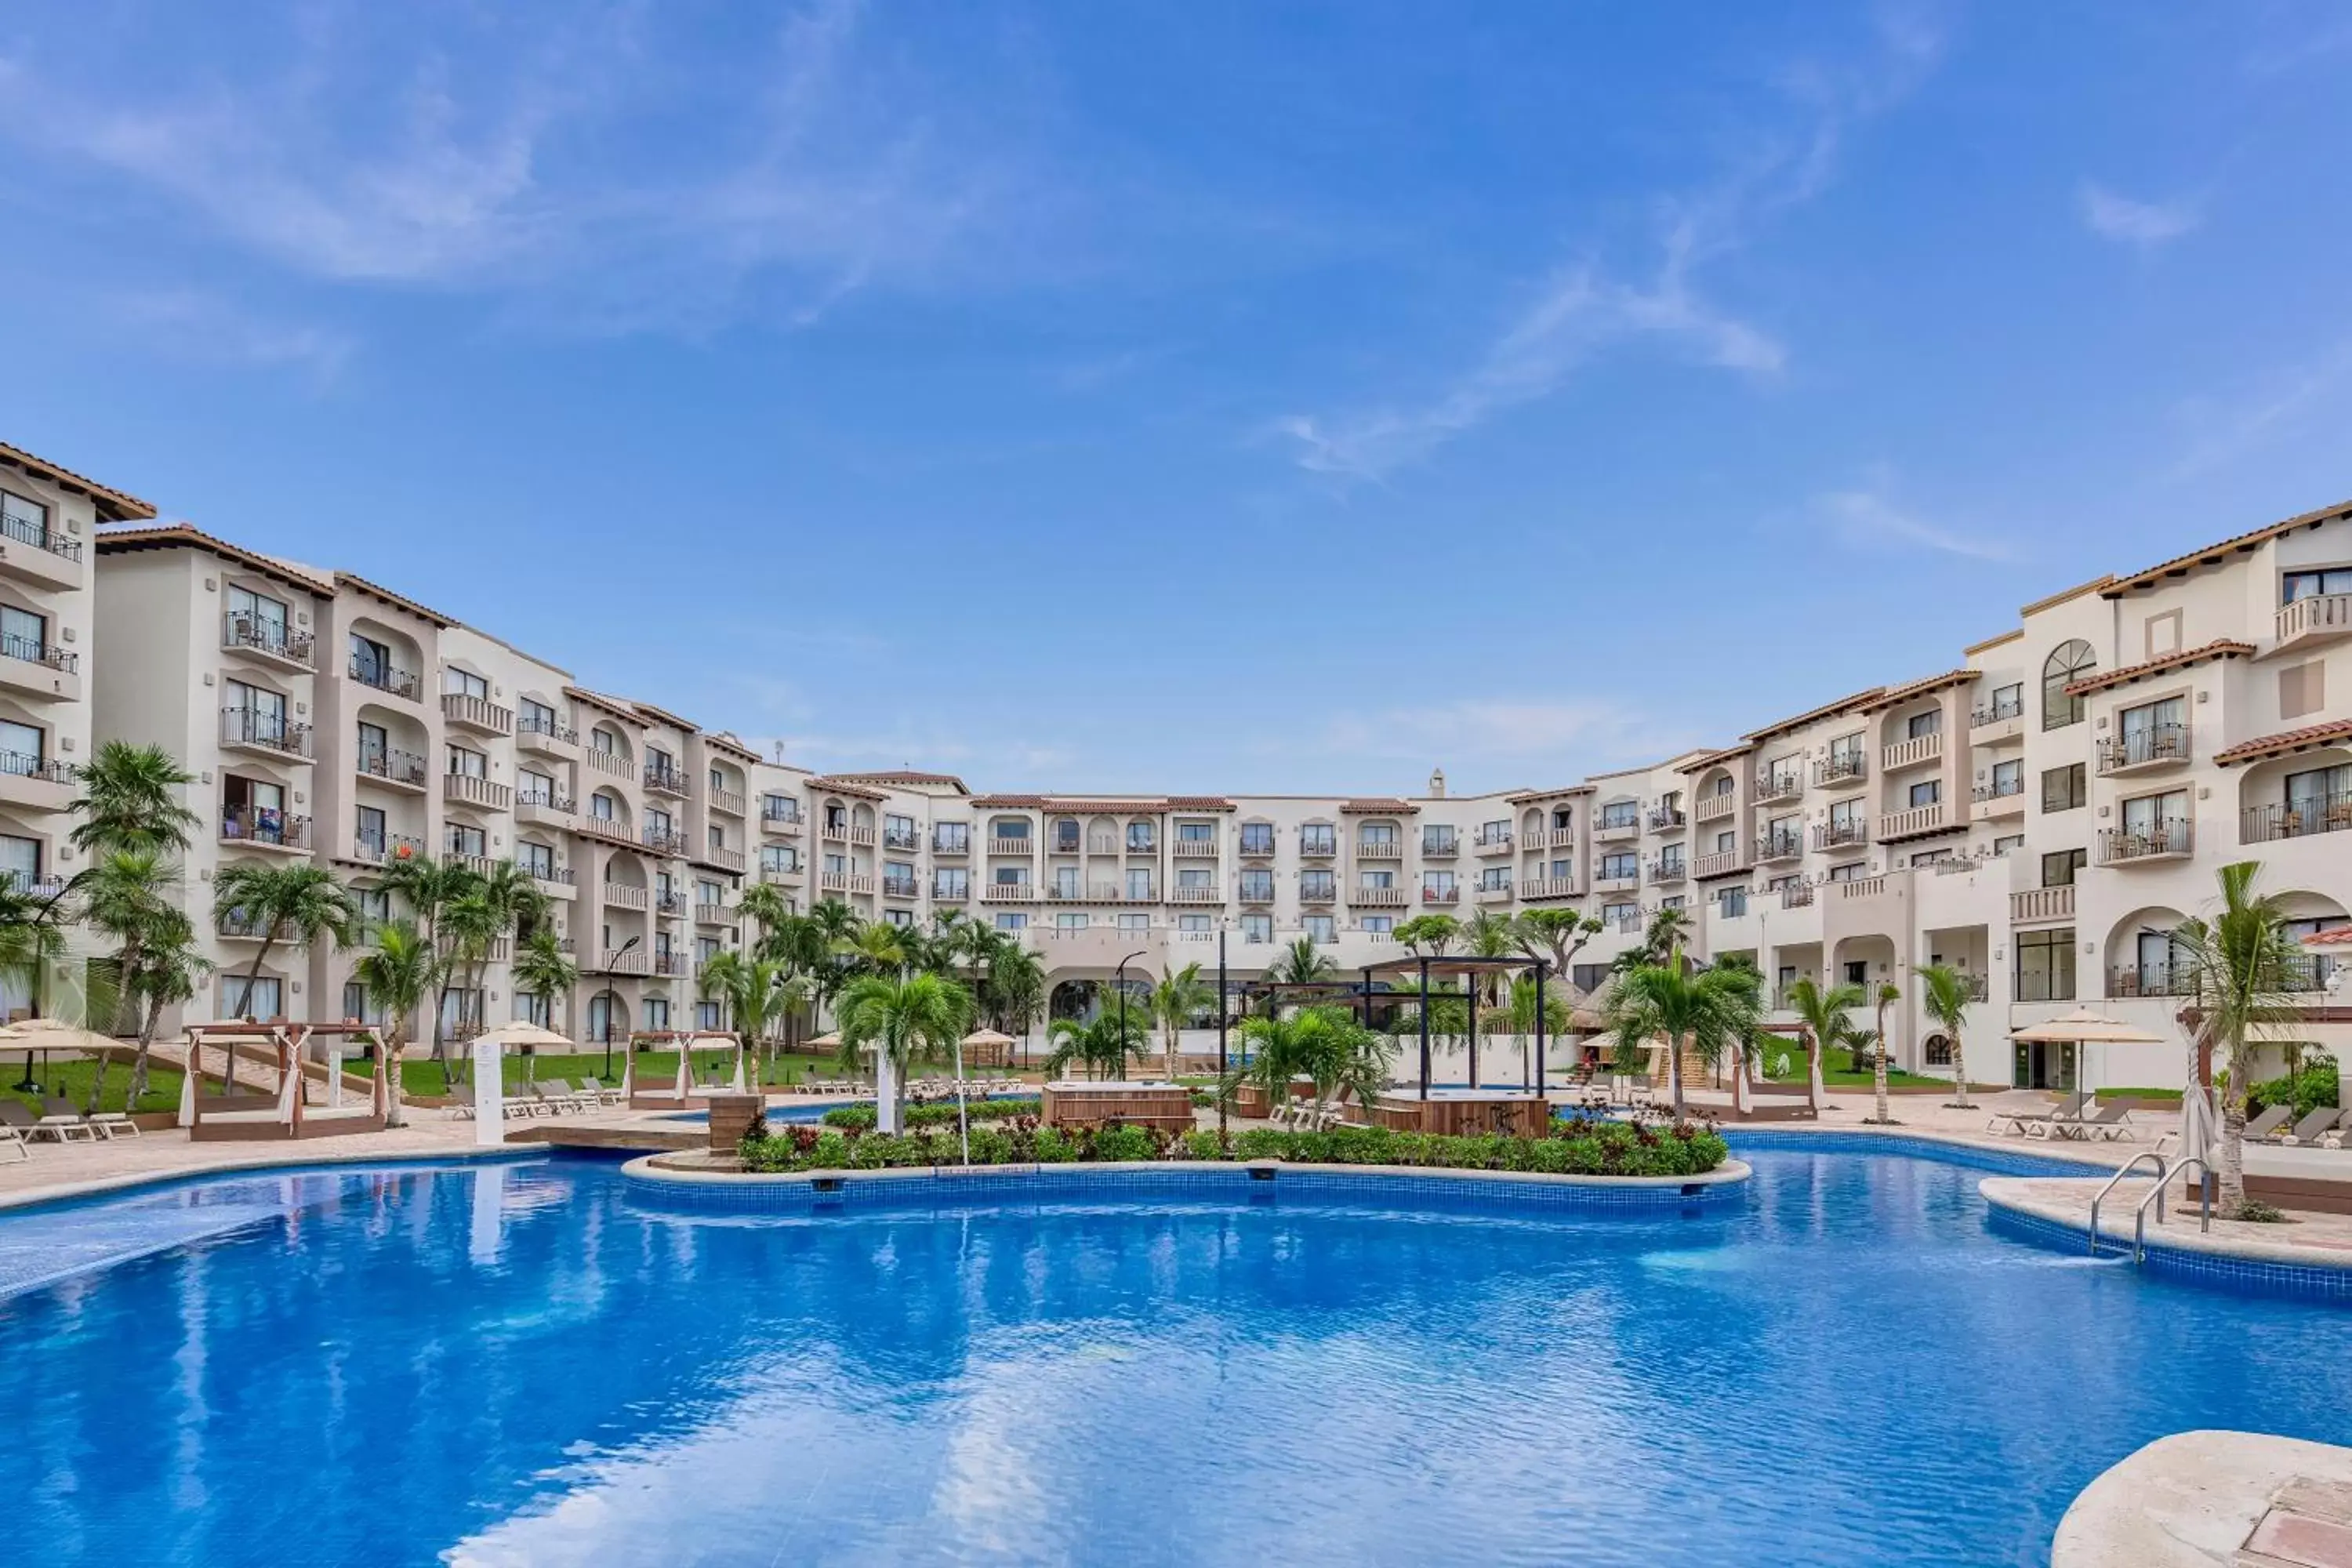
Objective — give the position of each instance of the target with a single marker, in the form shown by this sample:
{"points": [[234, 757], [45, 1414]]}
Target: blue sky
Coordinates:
{"points": [[1199, 395]]}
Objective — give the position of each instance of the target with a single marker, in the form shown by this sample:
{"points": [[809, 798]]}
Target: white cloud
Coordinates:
{"points": [[197, 326], [2298, 400], [2129, 222], [1583, 311], [1868, 520]]}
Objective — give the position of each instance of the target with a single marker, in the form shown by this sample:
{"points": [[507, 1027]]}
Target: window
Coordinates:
{"points": [[1857, 972], [1939, 1051], [1192, 924], [1726, 841], [1845, 755], [1011, 920], [1257, 928], [898, 832], [2045, 965], [600, 1026], [23, 519], [1920, 724], [1380, 835], [2007, 844], [1437, 885], [1010, 876], [2059, 866], [1930, 857], [715, 837], [782, 858], [2008, 779], [1621, 814], [1926, 792], [2296, 585], [1494, 879], [370, 832], [2068, 663], [260, 998], [2157, 818], [1074, 919], [22, 635], [658, 821], [1257, 885], [2007, 702], [1017, 827], [1194, 876], [1138, 882], [1257, 839], [954, 837], [1589, 977], [951, 882], [1321, 929], [657, 1011], [1848, 814], [253, 808], [1732, 901], [1196, 832], [1846, 871], [1437, 839], [465, 839], [898, 880], [1620, 864], [717, 781], [1066, 882], [539, 860], [373, 904], [1492, 833], [1622, 917], [1316, 885], [1379, 925], [2152, 732], [370, 661], [535, 717], [1676, 902], [1138, 838], [1561, 871], [1376, 878], [20, 861], [2065, 789], [534, 788], [1670, 859], [1317, 838], [464, 683], [467, 762], [257, 619]]}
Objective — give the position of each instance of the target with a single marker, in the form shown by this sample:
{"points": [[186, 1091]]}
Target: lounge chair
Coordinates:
{"points": [[13, 1137], [57, 1129], [2308, 1130], [57, 1108], [2065, 1123], [2112, 1124], [2261, 1128]]}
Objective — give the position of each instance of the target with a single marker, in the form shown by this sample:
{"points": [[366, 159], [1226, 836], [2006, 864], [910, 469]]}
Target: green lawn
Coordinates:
{"points": [[420, 1075], [71, 1080], [1838, 1071], [2170, 1096]]}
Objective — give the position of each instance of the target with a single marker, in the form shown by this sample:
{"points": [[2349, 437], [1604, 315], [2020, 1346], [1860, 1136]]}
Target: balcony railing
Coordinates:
{"points": [[1377, 897], [1912, 751], [628, 895], [1989, 791], [2158, 745], [624, 960], [953, 892], [40, 536], [1196, 894], [1549, 838], [901, 888], [1314, 847], [1440, 846], [1912, 821], [1380, 849], [1440, 896], [561, 876], [607, 761], [1662, 818], [466, 789], [1493, 892], [669, 963], [239, 926], [1065, 844], [2318, 617], [1325, 891], [901, 838], [1607, 831], [1850, 834], [1256, 893], [1009, 892], [722, 857], [2031, 905], [1719, 863], [272, 732], [843, 831], [471, 712], [1779, 843], [1999, 711], [255, 824], [393, 766], [778, 872], [727, 801], [611, 829], [663, 841], [379, 848], [43, 770], [1003, 844], [1714, 807], [1493, 841], [1797, 896], [553, 729], [2167, 840], [1774, 787], [1842, 768], [1141, 844], [666, 780], [384, 677], [2295, 818], [32, 650], [950, 843], [270, 639], [1257, 846], [1538, 888], [1195, 848], [1666, 873], [2151, 980], [779, 818], [547, 803]]}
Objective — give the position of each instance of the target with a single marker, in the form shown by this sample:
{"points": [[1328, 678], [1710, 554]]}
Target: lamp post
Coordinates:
{"points": [[623, 948], [1222, 1095], [1119, 978]]}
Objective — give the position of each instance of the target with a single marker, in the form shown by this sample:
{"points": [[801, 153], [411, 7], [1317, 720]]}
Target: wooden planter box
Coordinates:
{"points": [[1464, 1115], [1167, 1107]]}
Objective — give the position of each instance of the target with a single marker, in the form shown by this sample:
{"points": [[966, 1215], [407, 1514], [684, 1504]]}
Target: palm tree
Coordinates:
{"points": [[2242, 968], [32, 937], [1561, 933], [1301, 963], [756, 992], [766, 908], [399, 971], [1434, 934], [1176, 1001], [1015, 987], [1707, 1012], [1887, 996], [430, 886], [169, 968], [1102, 1044], [128, 802], [1324, 1045], [1490, 935], [542, 969], [1944, 994], [505, 901], [875, 948], [301, 903], [904, 1020], [123, 897], [1826, 1014]]}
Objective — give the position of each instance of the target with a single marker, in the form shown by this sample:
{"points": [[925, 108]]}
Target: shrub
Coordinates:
{"points": [[930, 1114], [2313, 1087]]}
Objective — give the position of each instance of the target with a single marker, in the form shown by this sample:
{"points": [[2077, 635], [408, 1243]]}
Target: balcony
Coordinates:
{"points": [[1665, 819], [1779, 844], [719, 858], [377, 848], [39, 555], [950, 843], [1665, 873], [1142, 844], [1315, 892], [1714, 807], [1607, 882], [1853, 833], [1196, 894], [2295, 818], [1998, 721], [1913, 821], [1993, 801], [950, 893], [1549, 838], [1494, 892], [841, 830], [901, 888], [465, 789], [2037, 906], [1721, 863], [775, 875], [728, 802], [902, 840], [2312, 621], [1492, 843], [669, 963], [1538, 890], [1380, 849], [246, 825], [1257, 846], [621, 961], [1440, 846], [1316, 846], [2144, 751], [554, 881], [1441, 898], [37, 784], [1021, 892], [1772, 788], [391, 765], [1001, 844], [380, 675], [270, 642], [611, 829], [627, 896], [1915, 751], [605, 762], [547, 809], [478, 715], [1065, 844], [1616, 831], [1797, 896], [39, 670], [1195, 848], [264, 734], [235, 925], [1840, 769], [660, 779], [1377, 897], [2174, 838], [480, 865], [548, 737], [2151, 980], [1255, 892], [662, 841]]}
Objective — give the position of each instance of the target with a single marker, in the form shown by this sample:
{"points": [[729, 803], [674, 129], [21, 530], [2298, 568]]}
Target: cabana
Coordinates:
{"points": [[678, 1094], [284, 1111]]}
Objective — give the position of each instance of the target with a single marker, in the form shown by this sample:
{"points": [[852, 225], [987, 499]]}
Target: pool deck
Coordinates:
{"points": [[2196, 1500], [2321, 1240]]}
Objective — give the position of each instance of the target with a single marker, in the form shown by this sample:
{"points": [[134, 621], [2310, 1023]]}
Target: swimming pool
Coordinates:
{"points": [[527, 1363]]}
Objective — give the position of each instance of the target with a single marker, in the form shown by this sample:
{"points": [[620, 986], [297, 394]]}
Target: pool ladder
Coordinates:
{"points": [[2165, 1171]]}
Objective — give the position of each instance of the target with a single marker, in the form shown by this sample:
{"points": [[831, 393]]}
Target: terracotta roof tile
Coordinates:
{"points": [[663, 716], [2221, 648], [1364, 807], [376, 590], [2215, 555], [180, 535], [2286, 744], [847, 786], [115, 506], [908, 776], [1904, 693], [2339, 937], [618, 707], [1529, 797], [1826, 711]]}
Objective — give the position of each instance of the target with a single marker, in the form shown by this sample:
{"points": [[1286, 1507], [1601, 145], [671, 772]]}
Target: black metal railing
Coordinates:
{"points": [[256, 727], [275, 638], [2006, 704], [393, 764], [17, 764], [40, 535], [33, 651], [2170, 837], [1999, 790], [2295, 818], [384, 676], [554, 729], [1841, 767], [259, 824], [2157, 743], [1779, 845]]}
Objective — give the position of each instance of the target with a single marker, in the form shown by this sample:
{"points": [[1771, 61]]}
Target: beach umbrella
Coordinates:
{"points": [[54, 1038], [2086, 1028], [520, 1033]]}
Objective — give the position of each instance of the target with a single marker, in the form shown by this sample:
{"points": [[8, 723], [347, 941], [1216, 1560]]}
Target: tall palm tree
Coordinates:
{"points": [[1944, 994], [1324, 1045], [1301, 963], [1015, 987], [1826, 1012], [1176, 1001], [1102, 1045], [430, 886], [766, 908], [124, 896], [399, 971], [129, 802], [2242, 967], [32, 938], [542, 969], [1887, 996], [300, 904], [756, 993], [1490, 935], [904, 1021], [1707, 1012], [503, 902], [875, 948], [169, 969]]}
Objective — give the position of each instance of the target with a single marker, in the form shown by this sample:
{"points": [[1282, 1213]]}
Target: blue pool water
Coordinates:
{"points": [[528, 1364]]}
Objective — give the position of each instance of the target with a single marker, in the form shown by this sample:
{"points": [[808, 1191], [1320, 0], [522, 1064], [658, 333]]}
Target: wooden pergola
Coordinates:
{"points": [[282, 1113], [1365, 992]]}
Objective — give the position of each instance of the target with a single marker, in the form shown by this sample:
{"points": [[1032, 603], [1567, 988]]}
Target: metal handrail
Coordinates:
{"points": [[2205, 1196], [2127, 1168]]}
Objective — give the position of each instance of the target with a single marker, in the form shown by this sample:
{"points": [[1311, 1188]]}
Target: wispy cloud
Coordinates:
{"points": [[2129, 222], [1485, 738], [1868, 518], [194, 325], [2301, 399], [1582, 309]]}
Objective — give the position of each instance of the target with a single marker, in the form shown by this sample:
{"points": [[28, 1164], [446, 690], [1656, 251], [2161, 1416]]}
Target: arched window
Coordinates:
{"points": [[2068, 663]]}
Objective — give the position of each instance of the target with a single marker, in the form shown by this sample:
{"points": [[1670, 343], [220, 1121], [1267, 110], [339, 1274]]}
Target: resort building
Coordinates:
{"points": [[2039, 815]]}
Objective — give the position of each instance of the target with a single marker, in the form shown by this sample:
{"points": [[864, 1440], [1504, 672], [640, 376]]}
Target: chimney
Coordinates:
{"points": [[1437, 784]]}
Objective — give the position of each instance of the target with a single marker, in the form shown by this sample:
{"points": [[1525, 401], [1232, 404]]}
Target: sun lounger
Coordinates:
{"points": [[2261, 1128], [13, 1137], [2310, 1128], [2111, 1124], [61, 1110], [57, 1129]]}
